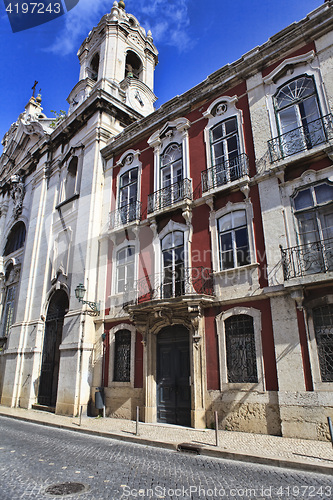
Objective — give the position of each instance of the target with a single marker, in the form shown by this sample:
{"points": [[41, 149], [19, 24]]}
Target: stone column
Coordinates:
{"points": [[198, 368]]}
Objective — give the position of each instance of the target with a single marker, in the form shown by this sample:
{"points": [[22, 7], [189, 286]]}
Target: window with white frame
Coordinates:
{"points": [[11, 279], [298, 115], [122, 355], [323, 326], [241, 349], [71, 179], [173, 264], [172, 182], [125, 269], [239, 333], [233, 240], [314, 213], [128, 194], [225, 144]]}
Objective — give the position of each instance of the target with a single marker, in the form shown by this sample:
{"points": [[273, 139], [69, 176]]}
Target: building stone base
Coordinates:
{"points": [[304, 414], [245, 412]]}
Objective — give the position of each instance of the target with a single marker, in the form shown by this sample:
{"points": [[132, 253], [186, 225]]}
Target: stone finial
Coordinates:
{"points": [[150, 36]]}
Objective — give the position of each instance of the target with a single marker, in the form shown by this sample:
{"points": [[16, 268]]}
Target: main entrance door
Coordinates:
{"points": [[48, 383], [173, 376]]}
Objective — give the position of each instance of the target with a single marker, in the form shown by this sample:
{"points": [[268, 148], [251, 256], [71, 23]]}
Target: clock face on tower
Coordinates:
{"points": [[138, 100]]}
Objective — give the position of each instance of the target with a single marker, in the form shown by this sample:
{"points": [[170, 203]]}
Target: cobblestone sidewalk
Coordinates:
{"points": [[301, 454]]}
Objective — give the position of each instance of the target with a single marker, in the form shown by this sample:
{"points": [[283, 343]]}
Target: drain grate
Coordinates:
{"points": [[66, 489]]}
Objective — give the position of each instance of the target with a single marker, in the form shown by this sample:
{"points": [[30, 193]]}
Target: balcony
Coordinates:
{"points": [[300, 139], [304, 260], [185, 282], [224, 173], [125, 215], [170, 195]]}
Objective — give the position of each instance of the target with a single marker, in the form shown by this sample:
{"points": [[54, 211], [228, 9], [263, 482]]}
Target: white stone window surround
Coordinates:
{"points": [[289, 190], [88, 66], [62, 200], [257, 328], [128, 161], [116, 248], [289, 69], [172, 132], [230, 112], [214, 216], [318, 385], [157, 245], [112, 340], [13, 282]]}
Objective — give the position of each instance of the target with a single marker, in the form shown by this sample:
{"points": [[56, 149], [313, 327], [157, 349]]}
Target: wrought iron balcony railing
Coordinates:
{"points": [[169, 195], [302, 138], [307, 259], [224, 173], [125, 214], [187, 281]]}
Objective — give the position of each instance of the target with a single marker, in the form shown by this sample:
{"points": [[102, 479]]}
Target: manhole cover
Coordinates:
{"points": [[66, 489]]}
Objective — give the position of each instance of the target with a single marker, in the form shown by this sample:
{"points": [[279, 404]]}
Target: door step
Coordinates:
{"points": [[50, 409]]}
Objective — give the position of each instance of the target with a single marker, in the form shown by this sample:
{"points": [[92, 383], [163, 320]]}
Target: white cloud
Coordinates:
{"points": [[167, 19]]}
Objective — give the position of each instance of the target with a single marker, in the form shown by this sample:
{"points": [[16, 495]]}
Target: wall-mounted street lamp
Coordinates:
{"points": [[79, 294]]}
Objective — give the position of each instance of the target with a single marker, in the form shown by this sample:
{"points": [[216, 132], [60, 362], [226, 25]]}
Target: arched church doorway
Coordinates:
{"points": [[48, 382], [173, 376]]}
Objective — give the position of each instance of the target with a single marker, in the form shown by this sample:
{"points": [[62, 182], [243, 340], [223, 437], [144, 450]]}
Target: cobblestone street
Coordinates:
{"points": [[34, 457]]}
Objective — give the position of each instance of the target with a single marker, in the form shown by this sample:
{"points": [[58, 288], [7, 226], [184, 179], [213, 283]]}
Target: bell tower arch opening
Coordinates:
{"points": [[133, 66], [94, 67], [49, 374]]}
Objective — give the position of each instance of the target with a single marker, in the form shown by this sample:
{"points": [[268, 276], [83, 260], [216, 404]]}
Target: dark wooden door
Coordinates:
{"points": [[173, 376], [48, 382]]}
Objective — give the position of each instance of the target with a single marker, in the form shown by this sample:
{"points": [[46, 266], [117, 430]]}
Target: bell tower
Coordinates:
{"points": [[118, 57]]}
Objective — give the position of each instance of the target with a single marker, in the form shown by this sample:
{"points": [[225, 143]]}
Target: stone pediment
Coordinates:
{"points": [[20, 138]]}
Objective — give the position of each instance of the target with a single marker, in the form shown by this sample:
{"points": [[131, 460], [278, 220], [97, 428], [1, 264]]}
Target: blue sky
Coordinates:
{"points": [[194, 39]]}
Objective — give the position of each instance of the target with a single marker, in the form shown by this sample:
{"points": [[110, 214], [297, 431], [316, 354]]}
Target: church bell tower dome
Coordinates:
{"points": [[119, 57]]}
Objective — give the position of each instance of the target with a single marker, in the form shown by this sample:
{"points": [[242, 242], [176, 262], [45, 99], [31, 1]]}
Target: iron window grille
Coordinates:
{"points": [[187, 281], [241, 350], [225, 172], [169, 195], [122, 356], [125, 215], [323, 325]]}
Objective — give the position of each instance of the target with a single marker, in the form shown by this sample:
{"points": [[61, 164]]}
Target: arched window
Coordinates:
{"points": [[133, 66], [323, 326], [125, 269], [16, 238], [241, 349], [314, 213], [298, 115], [122, 356], [94, 66], [8, 312], [173, 264]]}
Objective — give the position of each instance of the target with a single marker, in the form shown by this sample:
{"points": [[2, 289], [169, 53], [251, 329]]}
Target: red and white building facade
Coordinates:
{"points": [[214, 253]]}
